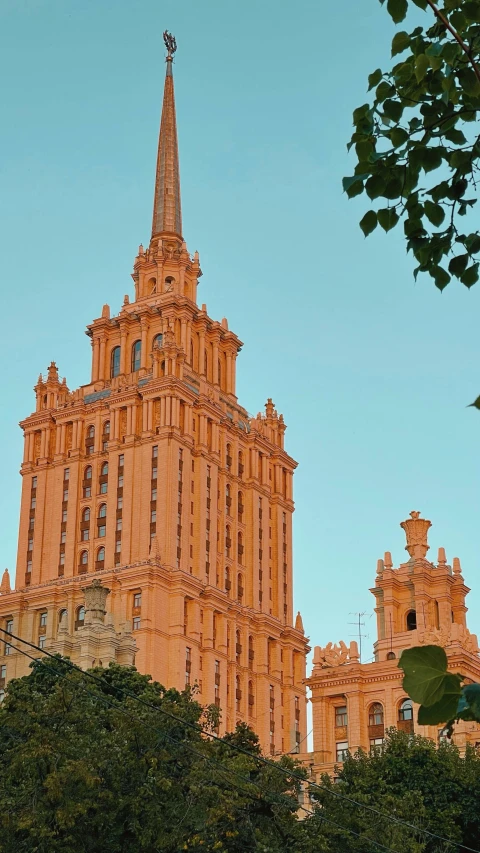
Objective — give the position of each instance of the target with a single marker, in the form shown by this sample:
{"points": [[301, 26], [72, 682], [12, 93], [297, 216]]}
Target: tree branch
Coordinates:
{"points": [[466, 49]]}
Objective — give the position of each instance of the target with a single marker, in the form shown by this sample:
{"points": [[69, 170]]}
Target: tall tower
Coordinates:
{"points": [[418, 603], [155, 479]]}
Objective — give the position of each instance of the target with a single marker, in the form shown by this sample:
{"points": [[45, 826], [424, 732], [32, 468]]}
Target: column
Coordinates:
{"points": [[143, 354], [150, 415], [201, 353], [101, 366], [58, 440], [42, 444], [144, 415], [129, 420], [63, 432], [228, 378], [215, 363], [96, 357], [123, 350], [115, 425], [162, 411]]}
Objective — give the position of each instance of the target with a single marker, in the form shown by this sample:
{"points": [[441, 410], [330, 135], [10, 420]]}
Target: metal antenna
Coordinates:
{"points": [[359, 625]]}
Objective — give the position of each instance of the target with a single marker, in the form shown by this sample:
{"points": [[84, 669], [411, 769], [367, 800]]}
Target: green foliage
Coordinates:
{"points": [[416, 142], [442, 696], [411, 779], [84, 768]]}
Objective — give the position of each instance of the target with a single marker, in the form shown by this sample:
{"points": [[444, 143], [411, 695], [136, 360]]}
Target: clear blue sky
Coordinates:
{"points": [[372, 371]]}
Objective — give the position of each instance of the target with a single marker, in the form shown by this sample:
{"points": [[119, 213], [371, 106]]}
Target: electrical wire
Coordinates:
{"points": [[187, 746], [260, 758]]}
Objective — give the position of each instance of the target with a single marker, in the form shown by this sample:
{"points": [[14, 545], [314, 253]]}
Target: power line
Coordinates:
{"points": [[236, 747], [187, 746]]}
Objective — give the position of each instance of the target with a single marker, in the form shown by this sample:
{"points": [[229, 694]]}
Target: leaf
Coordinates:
{"points": [[425, 670], [475, 404], [393, 109], [369, 222], [387, 218], [400, 42], [435, 213], [422, 4], [469, 702], [384, 90], [364, 149], [470, 276], [444, 710], [375, 186], [397, 9], [458, 264], [360, 112], [440, 275], [421, 67], [431, 159], [348, 182], [374, 78], [398, 136], [472, 10]]}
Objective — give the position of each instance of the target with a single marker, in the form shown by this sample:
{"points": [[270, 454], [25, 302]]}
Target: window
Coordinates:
{"points": [[120, 502], [391, 656], [43, 619], [102, 511], [375, 715], [41, 641], [2, 695], [85, 534], [121, 460], [411, 620], [102, 530], [90, 440], [3, 672], [137, 599], [405, 711], [136, 623], [87, 482], [106, 428], [34, 482], [136, 356], [84, 558], [119, 523], [86, 514], [115, 362], [376, 744], [100, 557], [33, 502], [79, 621], [240, 588], [341, 717], [9, 629], [66, 474], [341, 750], [65, 495], [158, 341], [240, 547], [61, 614]]}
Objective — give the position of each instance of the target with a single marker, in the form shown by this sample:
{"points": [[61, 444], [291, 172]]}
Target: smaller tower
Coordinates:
{"points": [[418, 603]]}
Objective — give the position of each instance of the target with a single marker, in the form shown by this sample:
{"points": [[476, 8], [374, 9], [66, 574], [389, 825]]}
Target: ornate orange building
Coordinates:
{"points": [[418, 603], [154, 478]]}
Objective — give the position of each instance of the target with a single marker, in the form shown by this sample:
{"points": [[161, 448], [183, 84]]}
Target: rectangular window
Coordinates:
{"points": [[121, 460], [153, 515], [41, 641], [34, 482], [101, 530], [120, 481], [341, 750], [64, 515], [136, 623], [43, 620], [119, 523], [154, 451], [118, 546], [66, 474], [29, 565], [65, 495], [33, 502], [137, 599], [154, 495], [62, 559], [154, 472], [63, 537], [376, 744], [119, 503], [341, 715], [103, 488], [85, 535], [3, 671]]}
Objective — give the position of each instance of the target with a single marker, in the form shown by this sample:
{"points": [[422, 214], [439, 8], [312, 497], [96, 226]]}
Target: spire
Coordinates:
{"points": [[167, 213]]}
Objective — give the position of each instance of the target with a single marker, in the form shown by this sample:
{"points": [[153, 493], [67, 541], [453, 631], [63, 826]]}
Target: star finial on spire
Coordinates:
{"points": [[170, 44]]}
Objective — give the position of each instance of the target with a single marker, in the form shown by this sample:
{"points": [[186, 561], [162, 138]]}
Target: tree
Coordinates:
{"points": [[417, 142], [411, 779], [83, 767]]}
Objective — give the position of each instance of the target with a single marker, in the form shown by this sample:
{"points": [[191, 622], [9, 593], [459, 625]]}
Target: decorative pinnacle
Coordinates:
{"points": [[416, 530], [170, 44]]}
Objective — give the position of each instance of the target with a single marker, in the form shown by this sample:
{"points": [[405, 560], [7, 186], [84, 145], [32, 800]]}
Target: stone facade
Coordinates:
{"points": [[153, 477], [418, 603]]}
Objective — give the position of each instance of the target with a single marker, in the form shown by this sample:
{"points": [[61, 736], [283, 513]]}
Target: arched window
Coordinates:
{"points": [[240, 547], [228, 583], [251, 697], [61, 614], [391, 656], [228, 540], [238, 646], [105, 435], [104, 479], [87, 482], [102, 511], [100, 561], [86, 514], [115, 362], [375, 714], [79, 617], [228, 457], [240, 588], [240, 507], [162, 369], [411, 620], [90, 440], [228, 499], [238, 693], [191, 353], [240, 463], [251, 650], [158, 341], [219, 372], [405, 711], [169, 282], [83, 562], [136, 355]]}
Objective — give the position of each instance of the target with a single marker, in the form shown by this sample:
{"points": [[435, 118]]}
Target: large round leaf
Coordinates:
{"points": [[425, 669]]}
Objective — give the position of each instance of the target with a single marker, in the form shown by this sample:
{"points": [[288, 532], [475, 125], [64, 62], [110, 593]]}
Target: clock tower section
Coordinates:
{"points": [[154, 479]]}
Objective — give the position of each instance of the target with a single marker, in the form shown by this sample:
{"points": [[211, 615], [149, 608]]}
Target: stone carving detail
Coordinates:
{"points": [[445, 637], [123, 422], [335, 655], [36, 450], [95, 602], [416, 530], [68, 437]]}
